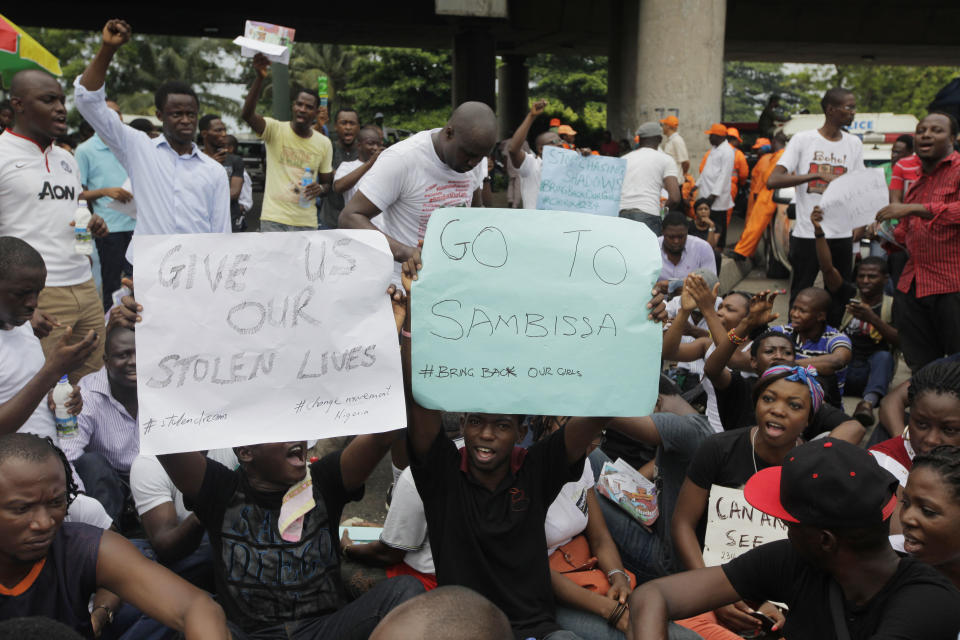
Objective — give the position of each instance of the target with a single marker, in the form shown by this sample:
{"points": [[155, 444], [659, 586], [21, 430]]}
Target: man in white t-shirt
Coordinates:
{"points": [[714, 181], [26, 376], [348, 174], [810, 162], [529, 165], [39, 196], [674, 146], [427, 171], [648, 173]]}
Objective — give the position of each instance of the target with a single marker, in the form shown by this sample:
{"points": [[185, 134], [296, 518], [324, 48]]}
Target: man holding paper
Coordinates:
{"points": [[292, 148], [810, 162]]}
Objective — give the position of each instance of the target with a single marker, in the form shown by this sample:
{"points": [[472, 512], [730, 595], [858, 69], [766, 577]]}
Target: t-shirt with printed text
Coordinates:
{"points": [[287, 156], [810, 152]]}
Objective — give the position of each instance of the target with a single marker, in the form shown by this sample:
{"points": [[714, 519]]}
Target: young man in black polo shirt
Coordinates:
{"points": [[486, 504], [836, 572]]}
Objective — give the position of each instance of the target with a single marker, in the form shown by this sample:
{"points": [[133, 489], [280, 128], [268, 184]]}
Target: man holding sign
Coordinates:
{"points": [[485, 505], [273, 526]]}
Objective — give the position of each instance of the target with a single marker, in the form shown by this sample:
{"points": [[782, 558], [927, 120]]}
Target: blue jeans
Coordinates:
{"points": [[588, 625], [870, 375], [356, 621]]}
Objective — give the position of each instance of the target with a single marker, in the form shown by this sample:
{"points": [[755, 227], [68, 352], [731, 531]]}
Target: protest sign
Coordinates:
{"points": [[264, 337], [538, 312], [734, 526], [271, 40], [572, 182], [852, 201]]}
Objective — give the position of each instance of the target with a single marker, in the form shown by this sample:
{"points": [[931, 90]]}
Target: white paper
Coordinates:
{"points": [[734, 526], [853, 200], [270, 39], [264, 337], [251, 47], [128, 208]]}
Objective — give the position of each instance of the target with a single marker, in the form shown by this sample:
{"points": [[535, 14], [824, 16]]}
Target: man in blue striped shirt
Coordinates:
{"points": [[107, 438]]}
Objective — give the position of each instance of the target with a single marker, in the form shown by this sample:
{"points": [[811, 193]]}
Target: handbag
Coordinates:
{"points": [[575, 561]]}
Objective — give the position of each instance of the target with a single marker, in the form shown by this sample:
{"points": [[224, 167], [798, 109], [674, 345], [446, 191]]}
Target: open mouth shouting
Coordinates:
{"points": [[297, 455]]}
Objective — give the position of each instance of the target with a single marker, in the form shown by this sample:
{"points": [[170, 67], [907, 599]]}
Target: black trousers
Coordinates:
{"points": [[719, 219], [113, 263], [929, 327], [803, 260]]}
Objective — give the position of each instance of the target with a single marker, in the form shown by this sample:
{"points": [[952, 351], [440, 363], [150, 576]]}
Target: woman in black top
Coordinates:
{"points": [[785, 400]]}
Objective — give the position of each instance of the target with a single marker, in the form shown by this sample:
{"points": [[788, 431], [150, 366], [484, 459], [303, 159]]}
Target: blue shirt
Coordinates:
{"points": [[174, 193], [829, 341], [100, 169]]}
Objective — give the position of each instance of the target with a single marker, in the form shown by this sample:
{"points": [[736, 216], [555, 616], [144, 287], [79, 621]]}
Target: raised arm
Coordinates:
{"points": [[116, 33], [64, 359], [893, 409], [157, 591], [423, 425], [362, 456], [261, 65], [761, 314], [515, 147], [832, 279], [579, 434]]}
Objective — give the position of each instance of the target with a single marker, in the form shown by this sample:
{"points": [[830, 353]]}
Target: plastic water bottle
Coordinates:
{"points": [[82, 241], [66, 423], [322, 90], [305, 182]]}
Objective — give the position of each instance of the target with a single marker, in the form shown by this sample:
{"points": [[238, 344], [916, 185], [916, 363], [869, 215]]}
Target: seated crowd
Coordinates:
{"points": [[497, 527]]}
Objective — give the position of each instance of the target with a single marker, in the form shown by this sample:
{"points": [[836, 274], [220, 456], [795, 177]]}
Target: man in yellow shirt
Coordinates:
{"points": [[292, 148]]}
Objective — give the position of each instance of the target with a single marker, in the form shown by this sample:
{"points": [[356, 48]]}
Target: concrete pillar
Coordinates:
{"points": [[666, 58], [474, 67], [280, 75], [512, 101]]}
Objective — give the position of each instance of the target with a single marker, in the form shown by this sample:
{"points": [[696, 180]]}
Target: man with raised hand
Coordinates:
{"points": [[292, 148], [178, 188]]}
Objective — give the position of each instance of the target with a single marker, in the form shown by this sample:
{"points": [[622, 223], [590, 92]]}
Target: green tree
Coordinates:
{"points": [[575, 88], [411, 87], [310, 60], [896, 89]]}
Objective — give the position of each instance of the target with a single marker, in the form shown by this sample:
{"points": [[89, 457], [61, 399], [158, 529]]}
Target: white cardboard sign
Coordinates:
{"points": [[852, 201], [264, 337], [734, 526]]}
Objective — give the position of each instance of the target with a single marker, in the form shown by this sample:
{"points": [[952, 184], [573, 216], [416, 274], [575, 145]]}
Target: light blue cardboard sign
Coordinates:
{"points": [[538, 312], [572, 182]]}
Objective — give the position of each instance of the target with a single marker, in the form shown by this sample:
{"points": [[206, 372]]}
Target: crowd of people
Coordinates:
{"points": [[495, 527]]}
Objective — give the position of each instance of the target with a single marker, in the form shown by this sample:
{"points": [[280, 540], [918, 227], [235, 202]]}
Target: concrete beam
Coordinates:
{"points": [[474, 67], [513, 77]]}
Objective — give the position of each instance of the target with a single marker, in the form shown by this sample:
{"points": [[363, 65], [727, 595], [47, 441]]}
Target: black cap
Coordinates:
{"points": [[827, 483]]}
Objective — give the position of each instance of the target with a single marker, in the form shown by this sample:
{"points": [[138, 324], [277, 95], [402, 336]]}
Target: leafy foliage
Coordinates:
{"points": [[575, 88]]}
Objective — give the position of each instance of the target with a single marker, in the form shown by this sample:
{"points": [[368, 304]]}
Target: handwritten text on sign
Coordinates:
{"points": [[572, 182], [734, 526], [852, 201], [520, 311], [271, 337]]}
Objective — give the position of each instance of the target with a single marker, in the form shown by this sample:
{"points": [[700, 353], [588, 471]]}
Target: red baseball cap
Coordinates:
{"points": [[716, 129], [827, 483]]}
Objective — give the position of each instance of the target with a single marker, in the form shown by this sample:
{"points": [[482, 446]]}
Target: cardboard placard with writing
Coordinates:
{"points": [[734, 526], [264, 337], [853, 200], [539, 312], [572, 182]]}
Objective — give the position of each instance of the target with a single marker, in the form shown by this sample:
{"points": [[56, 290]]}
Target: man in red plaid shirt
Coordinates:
{"points": [[927, 302]]}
